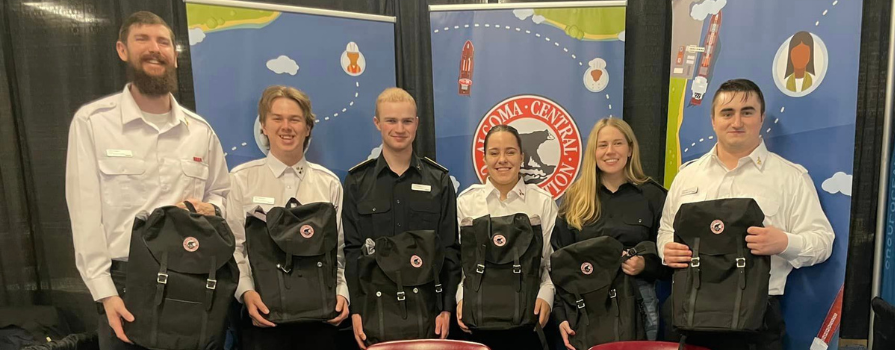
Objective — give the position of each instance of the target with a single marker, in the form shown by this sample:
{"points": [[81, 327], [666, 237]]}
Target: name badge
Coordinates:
{"points": [[421, 188], [263, 200], [119, 153]]}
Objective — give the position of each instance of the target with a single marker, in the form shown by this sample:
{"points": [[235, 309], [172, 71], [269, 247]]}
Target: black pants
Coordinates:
{"points": [[107, 338], [769, 337], [315, 336]]}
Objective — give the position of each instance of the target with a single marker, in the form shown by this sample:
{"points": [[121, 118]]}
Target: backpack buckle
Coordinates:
{"points": [[517, 268], [580, 303], [741, 262], [162, 278], [438, 288], [401, 296], [612, 294], [479, 268], [694, 262], [211, 284]]}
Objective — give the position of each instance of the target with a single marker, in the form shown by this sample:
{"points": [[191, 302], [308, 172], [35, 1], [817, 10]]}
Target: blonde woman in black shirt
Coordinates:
{"points": [[613, 197]]}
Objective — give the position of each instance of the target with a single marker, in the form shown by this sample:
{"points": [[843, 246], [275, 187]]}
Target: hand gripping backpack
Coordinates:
{"points": [[725, 288], [292, 251], [599, 299], [401, 286], [501, 259], [181, 277]]}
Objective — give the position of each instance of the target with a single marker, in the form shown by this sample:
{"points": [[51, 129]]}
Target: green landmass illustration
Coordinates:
{"points": [[600, 23], [211, 18], [676, 99]]}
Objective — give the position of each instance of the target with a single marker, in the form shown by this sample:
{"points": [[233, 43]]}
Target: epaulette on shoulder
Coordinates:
{"points": [[687, 164], [433, 163], [361, 165], [658, 185]]}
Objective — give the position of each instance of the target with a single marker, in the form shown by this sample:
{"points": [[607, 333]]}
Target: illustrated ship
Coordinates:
{"points": [[701, 82], [467, 63]]}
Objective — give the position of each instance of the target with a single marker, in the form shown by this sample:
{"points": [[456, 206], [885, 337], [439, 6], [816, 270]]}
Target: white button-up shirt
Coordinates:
{"points": [[269, 183], [783, 190], [119, 165], [484, 199]]}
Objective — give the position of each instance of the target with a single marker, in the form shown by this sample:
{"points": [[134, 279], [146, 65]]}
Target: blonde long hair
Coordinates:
{"points": [[581, 204]]}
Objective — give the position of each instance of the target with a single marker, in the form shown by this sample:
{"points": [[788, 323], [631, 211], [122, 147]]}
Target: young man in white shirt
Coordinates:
{"points": [[130, 152], [286, 122], [796, 231]]}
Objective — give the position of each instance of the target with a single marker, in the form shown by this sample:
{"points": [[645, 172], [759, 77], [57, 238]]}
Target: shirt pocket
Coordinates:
{"points": [[375, 218], [770, 206], [122, 181], [691, 195], [196, 173], [423, 214], [637, 225]]}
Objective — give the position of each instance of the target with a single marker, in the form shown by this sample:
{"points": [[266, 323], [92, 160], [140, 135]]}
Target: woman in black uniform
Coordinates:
{"points": [[614, 197]]}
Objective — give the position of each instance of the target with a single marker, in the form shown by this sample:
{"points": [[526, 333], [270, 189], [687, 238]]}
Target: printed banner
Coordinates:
{"points": [[804, 56], [342, 63], [549, 72]]}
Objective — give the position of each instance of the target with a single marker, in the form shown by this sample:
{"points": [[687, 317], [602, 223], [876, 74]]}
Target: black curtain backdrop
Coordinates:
{"points": [[872, 73], [58, 55]]}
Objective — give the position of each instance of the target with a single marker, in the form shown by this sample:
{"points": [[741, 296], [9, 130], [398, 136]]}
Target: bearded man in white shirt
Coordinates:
{"points": [[796, 233], [135, 151]]}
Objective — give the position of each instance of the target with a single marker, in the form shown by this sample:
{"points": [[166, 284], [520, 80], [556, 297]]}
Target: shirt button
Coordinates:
{"points": [[416, 290], [319, 264], [399, 201], [378, 294], [399, 224], [374, 209]]}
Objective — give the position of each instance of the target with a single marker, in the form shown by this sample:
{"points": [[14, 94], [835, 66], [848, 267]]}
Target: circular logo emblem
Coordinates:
{"points": [[551, 143], [190, 244], [499, 240], [717, 227], [587, 268], [306, 231], [416, 261]]}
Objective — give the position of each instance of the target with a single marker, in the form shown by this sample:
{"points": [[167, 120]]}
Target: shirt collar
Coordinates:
{"points": [[623, 186], [381, 163], [131, 112], [520, 190], [278, 168], [759, 155]]}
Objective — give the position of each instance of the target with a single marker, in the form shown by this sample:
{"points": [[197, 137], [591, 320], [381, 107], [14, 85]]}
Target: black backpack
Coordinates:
{"points": [[726, 287], [501, 259], [402, 290], [181, 277], [292, 251], [600, 301]]}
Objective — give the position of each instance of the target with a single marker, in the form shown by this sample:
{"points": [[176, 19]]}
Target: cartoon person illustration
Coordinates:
{"points": [[353, 55], [799, 74]]}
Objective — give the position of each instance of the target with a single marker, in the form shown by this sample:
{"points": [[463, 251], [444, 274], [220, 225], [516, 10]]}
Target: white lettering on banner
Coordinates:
{"points": [[540, 122]]}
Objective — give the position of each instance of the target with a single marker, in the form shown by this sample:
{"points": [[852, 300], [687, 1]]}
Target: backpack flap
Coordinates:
{"points": [[305, 230], [411, 258], [188, 242], [586, 267], [510, 237], [717, 228]]}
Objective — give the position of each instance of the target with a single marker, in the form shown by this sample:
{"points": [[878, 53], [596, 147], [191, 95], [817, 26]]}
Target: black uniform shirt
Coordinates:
{"points": [[630, 215], [378, 202]]}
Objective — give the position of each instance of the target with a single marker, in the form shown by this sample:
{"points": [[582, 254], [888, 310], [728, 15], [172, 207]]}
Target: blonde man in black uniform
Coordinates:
{"points": [[418, 193]]}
